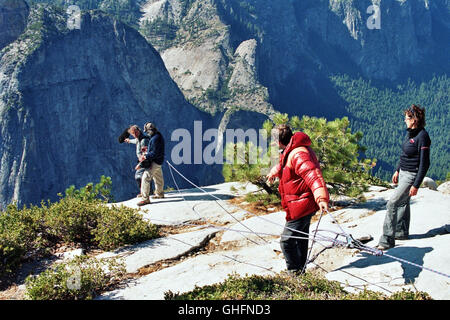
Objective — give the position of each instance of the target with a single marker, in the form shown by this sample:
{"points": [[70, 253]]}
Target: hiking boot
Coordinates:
{"points": [[143, 203], [383, 247]]}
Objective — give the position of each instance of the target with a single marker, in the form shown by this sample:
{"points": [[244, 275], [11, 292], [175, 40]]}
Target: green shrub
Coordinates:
{"points": [[81, 278], [95, 224], [79, 217], [283, 287], [72, 220], [101, 190], [19, 234], [410, 295], [118, 226], [264, 199]]}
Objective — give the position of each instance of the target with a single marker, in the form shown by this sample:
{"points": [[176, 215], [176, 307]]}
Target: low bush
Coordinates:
{"points": [[263, 199], [19, 235], [284, 287], [72, 220], [80, 217], [81, 278], [117, 226], [99, 191]]}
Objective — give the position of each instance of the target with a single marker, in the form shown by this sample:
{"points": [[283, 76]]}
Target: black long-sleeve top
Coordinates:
{"points": [[415, 155]]}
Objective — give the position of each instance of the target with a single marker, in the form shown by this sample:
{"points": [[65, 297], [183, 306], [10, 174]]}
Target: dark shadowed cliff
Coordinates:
{"points": [[13, 19], [67, 94]]}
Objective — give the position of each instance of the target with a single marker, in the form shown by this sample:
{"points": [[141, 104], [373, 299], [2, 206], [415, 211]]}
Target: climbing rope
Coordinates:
{"points": [[232, 258], [312, 243], [352, 243], [184, 200], [218, 199], [349, 242]]}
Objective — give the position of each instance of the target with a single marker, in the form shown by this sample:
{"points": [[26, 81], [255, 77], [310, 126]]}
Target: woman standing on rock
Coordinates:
{"points": [[413, 165], [303, 192]]}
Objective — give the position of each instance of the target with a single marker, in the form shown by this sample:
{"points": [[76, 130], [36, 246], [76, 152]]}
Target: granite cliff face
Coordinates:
{"points": [[298, 45], [13, 19], [67, 94], [406, 34], [196, 46]]}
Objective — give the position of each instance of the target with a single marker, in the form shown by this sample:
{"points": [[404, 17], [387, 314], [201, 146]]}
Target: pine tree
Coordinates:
{"points": [[336, 147]]}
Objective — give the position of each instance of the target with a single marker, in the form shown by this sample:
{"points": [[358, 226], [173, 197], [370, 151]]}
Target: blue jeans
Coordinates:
{"points": [[396, 222], [295, 251]]}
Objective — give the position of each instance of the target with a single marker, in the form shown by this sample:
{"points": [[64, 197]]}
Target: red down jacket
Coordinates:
{"points": [[302, 186]]}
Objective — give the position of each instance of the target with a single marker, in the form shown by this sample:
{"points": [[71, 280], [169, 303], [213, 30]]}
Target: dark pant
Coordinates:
{"points": [[295, 250]]}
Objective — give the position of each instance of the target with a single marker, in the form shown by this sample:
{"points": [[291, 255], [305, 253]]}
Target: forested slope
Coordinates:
{"points": [[378, 113]]}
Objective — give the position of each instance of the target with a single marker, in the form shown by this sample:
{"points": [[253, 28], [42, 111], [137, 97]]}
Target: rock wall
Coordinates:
{"points": [[299, 44], [202, 59], [13, 19], [67, 94]]}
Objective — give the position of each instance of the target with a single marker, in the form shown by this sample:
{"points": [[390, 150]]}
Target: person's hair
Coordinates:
{"points": [[134, 127], [150, 127], [418, 113], [284, 134]]}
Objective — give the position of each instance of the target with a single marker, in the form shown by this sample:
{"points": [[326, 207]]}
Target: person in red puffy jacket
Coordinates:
{"points": [[303, 192]]}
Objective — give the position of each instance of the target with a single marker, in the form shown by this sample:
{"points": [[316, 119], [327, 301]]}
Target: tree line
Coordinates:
{"points": [[378, 114]]}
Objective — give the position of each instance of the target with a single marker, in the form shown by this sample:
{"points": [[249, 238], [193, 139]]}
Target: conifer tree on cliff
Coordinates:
{"points": [[337, 148]]}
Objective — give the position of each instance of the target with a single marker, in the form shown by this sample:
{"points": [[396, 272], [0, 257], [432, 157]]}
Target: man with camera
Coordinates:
{"points": [[154, 154]]}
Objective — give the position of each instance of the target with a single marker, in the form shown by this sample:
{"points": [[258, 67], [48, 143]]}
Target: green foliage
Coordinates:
{"points": [[101, 190], [263, 199], [378, 113], [72, 220], [238, 166], [337, 148], [160, 32], [79, 217], [83, 4], [242, 16], [79, 279], [118, 226], [128, 11], [221, 95], [283, 287], [19, 234], [94, 224]]}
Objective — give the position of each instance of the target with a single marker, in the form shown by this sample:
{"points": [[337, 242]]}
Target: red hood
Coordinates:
{"points": [[299, 139]]}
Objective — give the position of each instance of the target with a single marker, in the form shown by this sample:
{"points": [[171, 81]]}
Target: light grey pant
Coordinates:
{"points": [[155, 173], [396, 222]]}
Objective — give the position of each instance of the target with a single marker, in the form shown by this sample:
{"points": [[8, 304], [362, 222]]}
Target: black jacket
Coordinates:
{"points": [[155, 152], [415, 155]]}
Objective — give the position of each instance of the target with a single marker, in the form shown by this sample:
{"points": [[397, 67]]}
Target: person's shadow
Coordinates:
{"points": [[431, 233], [411, 254], [200, 195]]}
